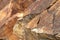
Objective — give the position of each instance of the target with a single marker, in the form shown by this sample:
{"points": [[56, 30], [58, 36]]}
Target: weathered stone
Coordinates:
{"points": [[44, 4], [33, 22], [38, 6], [48, 24], [57, 22], [53, 9], [45, 24], [3, 3]]}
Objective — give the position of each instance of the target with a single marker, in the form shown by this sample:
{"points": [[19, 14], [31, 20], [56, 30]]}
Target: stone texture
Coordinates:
{"points": [[4, 2], [38, 6], [57, 22], [53, 9], [45, 23]]}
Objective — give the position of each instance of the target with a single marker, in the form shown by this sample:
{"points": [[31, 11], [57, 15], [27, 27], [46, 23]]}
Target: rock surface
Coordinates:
{"points": [[30, 19]]}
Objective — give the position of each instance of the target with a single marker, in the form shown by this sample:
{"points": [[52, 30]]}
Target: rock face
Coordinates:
{"points": [[46, 22], [55, 11], [40, 19], [4, 2]]}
